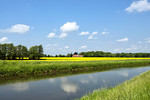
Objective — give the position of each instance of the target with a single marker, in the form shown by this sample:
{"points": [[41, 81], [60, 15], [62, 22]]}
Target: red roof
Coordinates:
{"points": [[77, 56]]}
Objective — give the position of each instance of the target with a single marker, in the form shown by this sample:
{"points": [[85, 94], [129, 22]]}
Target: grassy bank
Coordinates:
{"points": [[137, 88], [20, 69]]}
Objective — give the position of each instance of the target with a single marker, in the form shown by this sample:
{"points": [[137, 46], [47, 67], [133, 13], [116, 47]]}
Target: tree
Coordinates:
{"points": [[76, 53], [3, 50], [10, 50], [24, 51], [14, 53], [71, 54], [19, 51], [40, 51], [68, 55], [33, 52]]}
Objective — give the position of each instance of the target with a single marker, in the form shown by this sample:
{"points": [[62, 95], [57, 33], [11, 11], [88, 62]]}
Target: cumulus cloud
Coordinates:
{"points": [[84, 33], [116, 50], [69, 27], [123, 40], [94, 33], [105, 32], [4, 40], [83, 47], [139, 6], [91, 37], [63, 35], [132, 48], [18, 28], [148, 40], [66, 47], [55, 44], [48, 45], [51, 35]]}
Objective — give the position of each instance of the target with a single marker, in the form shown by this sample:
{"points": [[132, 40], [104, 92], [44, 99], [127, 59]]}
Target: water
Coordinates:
{"points": [[66, 88]]}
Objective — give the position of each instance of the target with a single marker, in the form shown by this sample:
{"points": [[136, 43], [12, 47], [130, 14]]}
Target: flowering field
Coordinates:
{"points": [[85, 58]]}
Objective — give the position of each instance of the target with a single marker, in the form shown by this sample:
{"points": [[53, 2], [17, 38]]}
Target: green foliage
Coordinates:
{"points": [[108, 54], [9, 51], [35, 52]]}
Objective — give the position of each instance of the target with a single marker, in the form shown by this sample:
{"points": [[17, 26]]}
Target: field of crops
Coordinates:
{"points": [[55, 66], [84, 58]]}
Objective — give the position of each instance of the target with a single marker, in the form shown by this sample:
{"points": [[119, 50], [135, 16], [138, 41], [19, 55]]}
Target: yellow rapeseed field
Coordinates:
{"points": [[85, 58]]}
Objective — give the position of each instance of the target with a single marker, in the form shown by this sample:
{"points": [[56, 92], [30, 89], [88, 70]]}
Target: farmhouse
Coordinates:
{"points": [[77, 56]]}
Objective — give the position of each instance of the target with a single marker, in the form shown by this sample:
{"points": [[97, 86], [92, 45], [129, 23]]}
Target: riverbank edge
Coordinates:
{"points": [[137, 88], [22, 69]]}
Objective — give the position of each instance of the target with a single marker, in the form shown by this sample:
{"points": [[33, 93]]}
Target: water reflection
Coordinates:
{"points": [[52, 81], [123, 73], [20, 86], [68, 86], [84, 81]]}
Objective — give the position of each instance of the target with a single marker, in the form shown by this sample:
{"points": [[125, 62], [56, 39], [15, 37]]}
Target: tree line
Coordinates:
{"points": [[11, 52], [102, 54], [109, 54]]}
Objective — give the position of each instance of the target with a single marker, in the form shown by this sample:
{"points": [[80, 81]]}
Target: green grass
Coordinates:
{"points": [[137, 88], [13, 69]]}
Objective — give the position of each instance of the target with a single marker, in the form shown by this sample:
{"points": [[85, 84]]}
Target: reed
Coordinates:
{"points": [[18, 68]]}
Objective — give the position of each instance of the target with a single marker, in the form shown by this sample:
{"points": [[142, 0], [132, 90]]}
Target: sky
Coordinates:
{"points": [[65, 26]]}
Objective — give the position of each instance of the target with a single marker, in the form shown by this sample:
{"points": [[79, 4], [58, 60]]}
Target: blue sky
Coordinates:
{"points": [[65, 26]]}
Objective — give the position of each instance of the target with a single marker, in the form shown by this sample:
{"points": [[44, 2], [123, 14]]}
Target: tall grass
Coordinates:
{"points": [[11, 69], [137, 88]]}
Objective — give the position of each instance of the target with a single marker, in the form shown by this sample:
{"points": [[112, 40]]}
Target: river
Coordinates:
{"points": [[66, 87]]}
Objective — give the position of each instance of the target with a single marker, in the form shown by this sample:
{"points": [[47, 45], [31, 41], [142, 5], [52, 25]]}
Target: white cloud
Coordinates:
{"points": [[84, 33], [4, 40], [63, 35], [94, 33], [66, 47], [18, 28], [69, 27], [55, 44], [48, 45], [132, 48], [105, 32], [139, 6], [51, 35], [116, 50], [123, 40], [91, 37], [83, 47], [148, 40]]}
